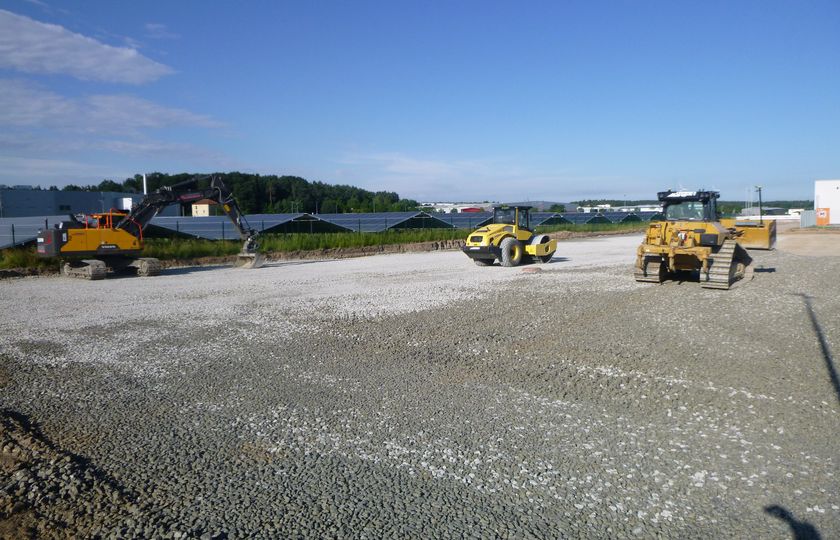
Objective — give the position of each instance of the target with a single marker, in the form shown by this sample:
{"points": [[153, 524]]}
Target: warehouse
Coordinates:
{"points": [[37, 202], [827, 202]]}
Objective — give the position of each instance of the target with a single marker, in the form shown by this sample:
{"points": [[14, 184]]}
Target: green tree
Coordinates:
{"points": [[109, 185]]}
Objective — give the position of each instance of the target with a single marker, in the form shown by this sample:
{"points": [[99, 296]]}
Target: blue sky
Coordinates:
{"points": [[434, 100]]}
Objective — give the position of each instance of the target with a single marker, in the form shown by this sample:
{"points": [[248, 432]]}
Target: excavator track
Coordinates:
{"points": [[727, 266], [653, 271], [90, 269], [147, 266]]}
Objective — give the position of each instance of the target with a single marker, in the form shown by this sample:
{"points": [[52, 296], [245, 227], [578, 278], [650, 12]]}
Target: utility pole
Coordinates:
{"points": [[760, 217]]}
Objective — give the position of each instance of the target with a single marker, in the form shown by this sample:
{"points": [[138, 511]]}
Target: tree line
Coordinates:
{"points": [[271, 194]]}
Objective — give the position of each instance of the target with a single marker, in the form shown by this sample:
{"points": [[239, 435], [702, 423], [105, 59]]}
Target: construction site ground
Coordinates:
{"points": [[418, 395]]}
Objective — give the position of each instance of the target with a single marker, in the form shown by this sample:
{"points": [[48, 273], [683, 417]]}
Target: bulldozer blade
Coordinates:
{"points": [[249, 260]]}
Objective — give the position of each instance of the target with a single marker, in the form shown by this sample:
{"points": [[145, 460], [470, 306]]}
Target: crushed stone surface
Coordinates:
{"points": [[418, 395]]}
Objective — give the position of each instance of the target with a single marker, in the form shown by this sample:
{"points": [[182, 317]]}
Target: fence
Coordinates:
{"points": [[12, 234]]}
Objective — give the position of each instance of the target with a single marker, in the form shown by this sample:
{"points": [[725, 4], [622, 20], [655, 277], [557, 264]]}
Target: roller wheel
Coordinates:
{"points": [[511, 251], [541, 239]]}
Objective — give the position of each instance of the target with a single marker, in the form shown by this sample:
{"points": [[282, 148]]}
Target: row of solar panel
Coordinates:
{"points": [[15, 231]]}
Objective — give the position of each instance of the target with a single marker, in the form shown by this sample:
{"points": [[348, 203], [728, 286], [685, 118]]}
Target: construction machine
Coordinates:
{"points": [[509, 239], [94, 245], [693, 238]]}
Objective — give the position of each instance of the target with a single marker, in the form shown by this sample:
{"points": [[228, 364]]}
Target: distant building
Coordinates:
{"points": [[35, 202], [202, 208], [539, 206], [453, 207], [765, 211], [449, 207], [601, 208], [597, 208]]}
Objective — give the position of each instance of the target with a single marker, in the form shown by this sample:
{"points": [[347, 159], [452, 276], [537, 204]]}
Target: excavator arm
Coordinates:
{"points": [[186, 192]]}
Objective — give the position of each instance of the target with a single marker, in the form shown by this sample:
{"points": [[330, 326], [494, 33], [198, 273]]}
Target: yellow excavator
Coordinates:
{"points": [[99, 244], [509, 239], [693, 238]]}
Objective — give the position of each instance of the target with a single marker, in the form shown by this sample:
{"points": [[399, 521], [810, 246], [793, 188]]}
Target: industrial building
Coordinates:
{"points": [[39, 202], [827, 202]]}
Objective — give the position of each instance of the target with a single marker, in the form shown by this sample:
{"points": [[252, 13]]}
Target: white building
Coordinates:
{"points": [[449, 207], [827, 196]]}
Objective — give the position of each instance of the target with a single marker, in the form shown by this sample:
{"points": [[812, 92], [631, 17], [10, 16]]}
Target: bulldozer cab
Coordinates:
{"points": [[689, 205], [513, 215]]}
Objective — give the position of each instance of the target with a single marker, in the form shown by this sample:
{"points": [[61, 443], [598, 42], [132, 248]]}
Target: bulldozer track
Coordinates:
{"points": [[723, 267], [652, 272]]}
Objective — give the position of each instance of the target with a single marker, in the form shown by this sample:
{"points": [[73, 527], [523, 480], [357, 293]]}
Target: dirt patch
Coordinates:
{"points": [[23, 272], [810, 242], [813, 230]]}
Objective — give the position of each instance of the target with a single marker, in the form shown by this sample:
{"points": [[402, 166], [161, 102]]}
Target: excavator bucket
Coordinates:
{"points": [[249, 256], [248, 260]]}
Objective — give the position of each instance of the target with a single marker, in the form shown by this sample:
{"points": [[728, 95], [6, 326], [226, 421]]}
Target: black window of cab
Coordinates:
{"points": [[505, 215]]}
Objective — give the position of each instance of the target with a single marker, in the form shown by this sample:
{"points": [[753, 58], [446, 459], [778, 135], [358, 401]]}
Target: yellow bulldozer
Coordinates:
{"points": [[509, 239], [691, 238]]}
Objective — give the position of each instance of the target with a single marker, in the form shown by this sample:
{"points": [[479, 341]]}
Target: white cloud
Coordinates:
{"points": [[129, 111], [159, 31], [90, 161], [45, 172], [137, 146], [31, 46], [23, 104], [38, 3], [47, 138], [150, 148]]}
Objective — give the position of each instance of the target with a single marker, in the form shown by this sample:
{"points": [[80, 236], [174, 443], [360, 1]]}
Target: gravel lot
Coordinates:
{"points": [[418, 395]]}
